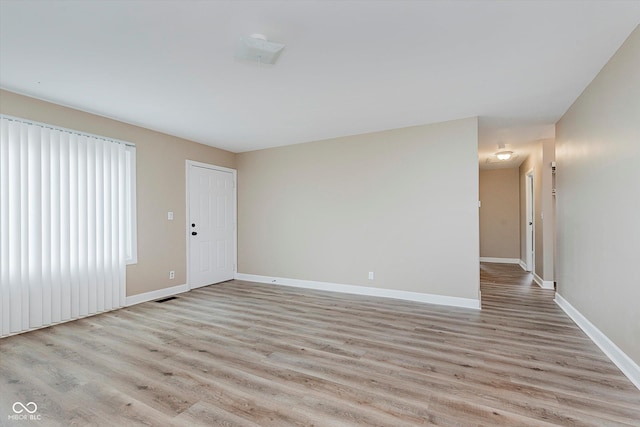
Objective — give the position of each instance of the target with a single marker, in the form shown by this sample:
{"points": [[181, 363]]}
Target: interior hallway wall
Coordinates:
{"points": [[598, 182], [500, 213], [400, 203], [539, 162]]}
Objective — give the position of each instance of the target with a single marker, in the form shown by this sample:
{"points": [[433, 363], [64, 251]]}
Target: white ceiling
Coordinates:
{"points": [[349, 67]]}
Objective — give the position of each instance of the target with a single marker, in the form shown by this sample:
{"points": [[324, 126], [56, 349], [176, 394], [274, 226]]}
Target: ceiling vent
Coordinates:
{"points": [[257, 48]]}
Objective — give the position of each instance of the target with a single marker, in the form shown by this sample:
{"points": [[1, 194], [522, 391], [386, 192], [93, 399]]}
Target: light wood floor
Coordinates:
{"points": [[243, 354]]}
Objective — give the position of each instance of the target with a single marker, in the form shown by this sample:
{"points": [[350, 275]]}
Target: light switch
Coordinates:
{"points": [[170, 216]]}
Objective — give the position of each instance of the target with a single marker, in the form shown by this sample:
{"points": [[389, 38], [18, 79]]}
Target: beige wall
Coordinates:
{"points": [[400, 203], [548, 207], [160, 185], [500, 213], [598, 202]]}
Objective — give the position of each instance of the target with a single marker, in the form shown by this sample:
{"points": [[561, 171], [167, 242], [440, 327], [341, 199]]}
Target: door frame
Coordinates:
{"points": [[188, 165], [530, 217]]}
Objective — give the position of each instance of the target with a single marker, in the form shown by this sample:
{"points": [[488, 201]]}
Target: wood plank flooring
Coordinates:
{"points": [[245, 354]]}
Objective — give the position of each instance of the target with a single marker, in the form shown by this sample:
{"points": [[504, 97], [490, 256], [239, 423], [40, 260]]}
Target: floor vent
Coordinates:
{"points": [[165, 299]]}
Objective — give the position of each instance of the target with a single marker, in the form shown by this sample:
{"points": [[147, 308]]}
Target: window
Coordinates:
{"points": [[67, 223]]}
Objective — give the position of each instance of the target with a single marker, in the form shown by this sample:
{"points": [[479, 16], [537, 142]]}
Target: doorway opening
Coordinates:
{"points": [[530, 257]]}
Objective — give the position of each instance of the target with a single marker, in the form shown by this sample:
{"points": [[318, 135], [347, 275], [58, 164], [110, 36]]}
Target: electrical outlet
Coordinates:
{"points": [[172, 274], [170, 216], [371, 275]]}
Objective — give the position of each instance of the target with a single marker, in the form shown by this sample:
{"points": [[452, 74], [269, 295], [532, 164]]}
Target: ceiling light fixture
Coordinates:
{"points": [[504, 155], [257, 48]]}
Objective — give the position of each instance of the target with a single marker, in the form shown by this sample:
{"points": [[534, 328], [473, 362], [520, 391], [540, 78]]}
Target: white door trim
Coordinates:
{"points": [[234, 172]]}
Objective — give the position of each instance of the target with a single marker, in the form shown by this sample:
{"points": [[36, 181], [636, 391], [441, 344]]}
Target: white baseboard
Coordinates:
{"points": [[628, 367], [544, 284], [153, 295], [500, 260], [522, 265], [364, 290]]}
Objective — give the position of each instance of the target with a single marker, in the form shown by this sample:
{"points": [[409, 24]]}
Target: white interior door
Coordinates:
{"points": [[530, 235], [211, 224]]}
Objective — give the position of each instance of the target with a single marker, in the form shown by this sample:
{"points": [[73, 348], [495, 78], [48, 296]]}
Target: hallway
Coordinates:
{"points": [[573, 370]]}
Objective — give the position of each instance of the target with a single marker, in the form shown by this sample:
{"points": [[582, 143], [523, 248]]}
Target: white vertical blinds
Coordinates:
{"points": [[63, 224]]}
